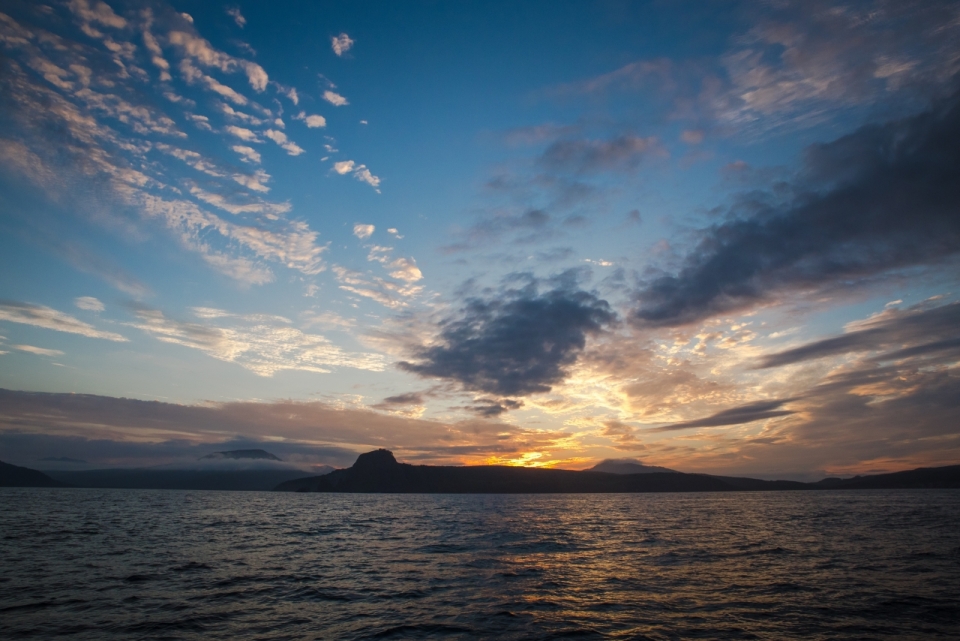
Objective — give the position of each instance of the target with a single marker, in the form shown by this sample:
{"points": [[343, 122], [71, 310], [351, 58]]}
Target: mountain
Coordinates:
{"points": [[179, 479], [258, 455], [923, 477], [256, 470], [626, 466], [379, 472], [16, 476]]}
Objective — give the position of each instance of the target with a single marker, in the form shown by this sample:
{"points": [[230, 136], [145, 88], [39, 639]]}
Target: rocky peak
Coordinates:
{"points": [[377, 459]]}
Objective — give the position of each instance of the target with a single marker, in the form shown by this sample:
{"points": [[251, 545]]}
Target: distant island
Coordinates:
{"points": [[379, 472], [16, 476], [234, 470]]}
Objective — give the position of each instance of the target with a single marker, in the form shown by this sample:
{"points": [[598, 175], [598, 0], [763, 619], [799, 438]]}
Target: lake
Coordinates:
{"points": [[128, 564]]}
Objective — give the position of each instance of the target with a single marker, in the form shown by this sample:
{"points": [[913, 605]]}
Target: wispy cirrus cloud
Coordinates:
{"points": [[39, 351], [89, 303], [262, 344], [49, 318], [797, 64], [234, 12], [388, 293], [111, 128]]}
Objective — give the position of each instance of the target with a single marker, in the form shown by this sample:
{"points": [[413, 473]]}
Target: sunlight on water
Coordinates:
{"points": [[96, 564]]}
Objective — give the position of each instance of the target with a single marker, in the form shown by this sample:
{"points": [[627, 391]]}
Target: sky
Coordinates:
{"points": [[718, 237]]}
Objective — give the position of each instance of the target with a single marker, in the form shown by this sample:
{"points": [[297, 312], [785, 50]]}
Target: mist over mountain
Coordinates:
{"points": [[626, 466], [254, 455], [249, 469]]}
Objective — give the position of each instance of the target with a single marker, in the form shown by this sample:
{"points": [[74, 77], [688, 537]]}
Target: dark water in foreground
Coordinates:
{"points": [[141, 564]]}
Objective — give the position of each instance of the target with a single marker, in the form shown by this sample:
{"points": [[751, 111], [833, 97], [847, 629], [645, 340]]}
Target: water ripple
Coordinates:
{"points": [[105, 564]]}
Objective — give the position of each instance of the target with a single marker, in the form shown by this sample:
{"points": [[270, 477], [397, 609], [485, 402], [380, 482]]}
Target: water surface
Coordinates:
{"points": [[132, 564]]}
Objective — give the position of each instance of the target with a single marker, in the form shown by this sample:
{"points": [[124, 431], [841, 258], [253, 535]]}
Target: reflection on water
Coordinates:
{"points": [[101, 564]]}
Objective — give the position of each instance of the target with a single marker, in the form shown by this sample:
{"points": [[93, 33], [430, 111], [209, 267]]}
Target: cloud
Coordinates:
{"points": [[270, 211], [48, 318], [405, 269], [758, 411], [242, 133], [412, 398], [281, 139], [341, 44], [363, 174], [898, 334], [248, 154], [334, 98], [312, 121], [88, 303], [238, 115], [362, 231], [329, 320], [623, 153], [800, 63], [234, 12], [534, 222], [39, 351], [519, 343], [387, 293], [254, 181], [882, 198], [130, 433], [96, 13], [360, 172], [491, 408], [264, 345], [199, 50]]}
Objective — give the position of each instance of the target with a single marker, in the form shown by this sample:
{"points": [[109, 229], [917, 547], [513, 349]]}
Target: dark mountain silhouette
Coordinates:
{"points": [[259, 455], [16, 476], [626, 466], [379, 472], [173, 479], [924, 477]]}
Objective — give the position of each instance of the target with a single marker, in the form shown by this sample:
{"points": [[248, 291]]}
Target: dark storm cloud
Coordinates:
{"points": [[735, 416], [882, 198], [910, 333], [518, 343]]}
